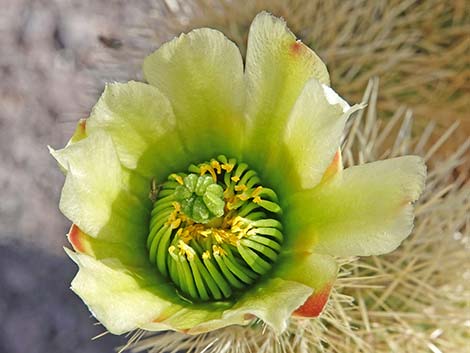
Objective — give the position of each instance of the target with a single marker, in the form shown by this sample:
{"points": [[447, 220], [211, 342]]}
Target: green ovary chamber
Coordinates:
{"points": [[214, 230]]}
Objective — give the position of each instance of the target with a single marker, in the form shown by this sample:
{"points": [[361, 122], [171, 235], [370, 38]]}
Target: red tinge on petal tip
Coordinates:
{"points": [[314, 305], [335, 166], [82, 124], [296, 47], [75, 235]]}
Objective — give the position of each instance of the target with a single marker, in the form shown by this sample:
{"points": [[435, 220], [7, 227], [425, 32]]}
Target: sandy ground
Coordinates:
{"points": [[49, 51]]}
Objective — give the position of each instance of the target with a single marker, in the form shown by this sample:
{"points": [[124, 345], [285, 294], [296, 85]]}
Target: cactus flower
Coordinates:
{"points": [[214, 194]]}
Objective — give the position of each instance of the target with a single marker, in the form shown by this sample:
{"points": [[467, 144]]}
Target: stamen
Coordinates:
{"points": [[185, 249], [257, 191], [208, 168], [218, 251], [214, 230], [178, 178], [241, 187], [243, 197], [257, 199], [176, 223], [227, 167], [216, 165]]}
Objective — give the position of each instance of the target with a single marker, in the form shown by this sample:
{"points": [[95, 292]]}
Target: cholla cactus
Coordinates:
{"points": [[250, 202]]}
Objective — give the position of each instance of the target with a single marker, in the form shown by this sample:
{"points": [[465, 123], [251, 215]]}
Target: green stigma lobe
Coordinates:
{"points": [[200, 197]]}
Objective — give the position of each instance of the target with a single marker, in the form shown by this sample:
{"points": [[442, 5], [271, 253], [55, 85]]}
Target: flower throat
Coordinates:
{"points": [[214, 230]]}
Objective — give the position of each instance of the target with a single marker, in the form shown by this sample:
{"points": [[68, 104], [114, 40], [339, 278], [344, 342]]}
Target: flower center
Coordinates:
{"points": [[215, 229]]}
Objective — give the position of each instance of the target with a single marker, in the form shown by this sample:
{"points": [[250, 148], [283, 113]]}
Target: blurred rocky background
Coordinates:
{"points": [[56, 54], [49, 53]]}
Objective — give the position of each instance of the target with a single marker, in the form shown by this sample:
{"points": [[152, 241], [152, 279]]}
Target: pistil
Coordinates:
{"points": [[215, 229]]}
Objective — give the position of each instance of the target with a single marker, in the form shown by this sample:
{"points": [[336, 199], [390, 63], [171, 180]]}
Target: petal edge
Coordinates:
{"points": [[368, 210]]}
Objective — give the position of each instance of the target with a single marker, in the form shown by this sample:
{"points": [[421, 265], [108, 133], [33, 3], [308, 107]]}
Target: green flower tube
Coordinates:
{"points": [[215, 194]]}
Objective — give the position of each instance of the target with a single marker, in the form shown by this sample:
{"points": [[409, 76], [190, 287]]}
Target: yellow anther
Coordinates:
{"points": [[237, 223], [170, 219], [241, 187], [218, 251], [204, 168], [172, 250], [175, 219], [205, 233], [255, 194], [185, 249], [243, 197], [236, 229], [216, 165], [228, 237], [235, 178], [236, 220], [176, 223], [257, 191], [235, 240], [218, 238], [206, 255], [186, 236], [240, 221], [178, 178], [228, 167]]}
